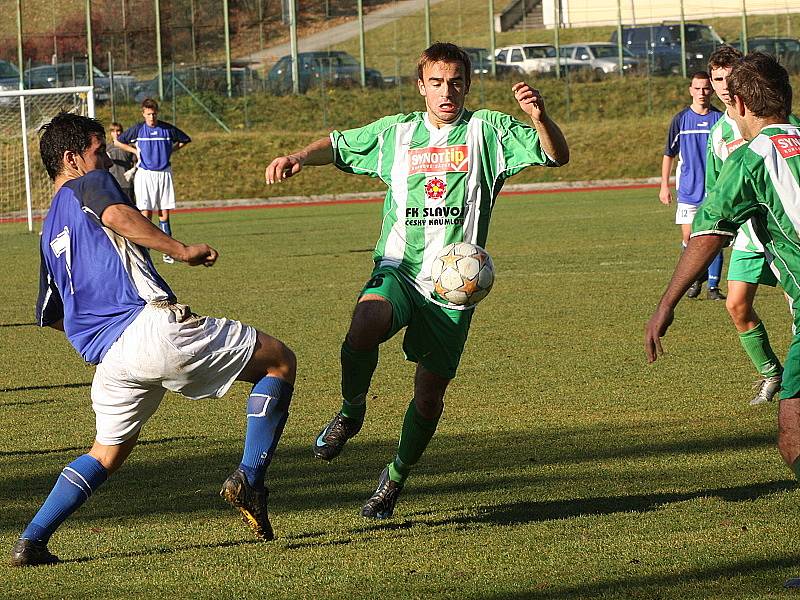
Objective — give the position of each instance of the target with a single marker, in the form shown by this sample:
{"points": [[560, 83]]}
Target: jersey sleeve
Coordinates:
{"points": [[522, 147], [98, 190], [731, 202], [129, 135], [358, 150], [178, 136], [673, 144], [713, 164], [49, 306]]}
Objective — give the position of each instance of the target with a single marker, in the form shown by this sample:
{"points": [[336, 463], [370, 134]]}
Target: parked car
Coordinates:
{"points": [[602, 58], [482, 64], [75, 73], [661, 45], [9, 76], [786, 50], [244, 80], [333, 68], [537, 59]]}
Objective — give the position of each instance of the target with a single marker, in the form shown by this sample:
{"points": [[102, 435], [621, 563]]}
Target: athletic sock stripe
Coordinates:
{"points": [[263, 412], [75, 483]]}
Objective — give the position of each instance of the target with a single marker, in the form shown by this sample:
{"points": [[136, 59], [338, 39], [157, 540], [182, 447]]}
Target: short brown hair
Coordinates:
{"points": [[149, 103], [723, 57], [762, 84], [448, 53], [115, 125], [699, 75]]}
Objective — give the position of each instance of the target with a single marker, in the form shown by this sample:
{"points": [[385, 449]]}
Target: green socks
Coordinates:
{"points": [[357, 369], [756, 344], [417, 432]]}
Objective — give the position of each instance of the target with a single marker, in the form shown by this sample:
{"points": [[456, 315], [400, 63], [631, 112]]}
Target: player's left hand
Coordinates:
{"points": [[655, 329], [530, 100], [200, 254]]}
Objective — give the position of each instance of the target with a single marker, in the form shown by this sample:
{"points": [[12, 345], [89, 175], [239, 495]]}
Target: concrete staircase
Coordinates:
{"points": [[533, 19]]}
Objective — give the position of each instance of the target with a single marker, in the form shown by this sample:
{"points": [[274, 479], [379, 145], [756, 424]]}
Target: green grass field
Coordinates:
{"points": [[564, 465]]}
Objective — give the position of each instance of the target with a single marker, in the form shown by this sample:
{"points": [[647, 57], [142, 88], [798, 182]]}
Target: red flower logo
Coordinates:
{"points": [[435, 188]]}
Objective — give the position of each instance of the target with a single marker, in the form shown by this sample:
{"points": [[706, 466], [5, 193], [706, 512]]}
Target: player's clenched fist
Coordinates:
{"points": [[530, 99], [200, 254], [282, 168]]}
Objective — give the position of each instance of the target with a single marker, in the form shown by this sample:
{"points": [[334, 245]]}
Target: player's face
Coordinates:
{"points": [[719, 81], [115, 133], [94, 157], [150, 116], [701, 91], [445, 89]]}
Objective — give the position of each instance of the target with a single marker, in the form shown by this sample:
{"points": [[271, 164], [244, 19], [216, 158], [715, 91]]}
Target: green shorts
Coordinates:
{"points": [[435, 335], [790, 386], [750, 267]]}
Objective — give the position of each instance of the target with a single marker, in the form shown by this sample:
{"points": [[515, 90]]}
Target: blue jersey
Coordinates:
{"points": [[688, 139], [154, 143], [93, 278]]}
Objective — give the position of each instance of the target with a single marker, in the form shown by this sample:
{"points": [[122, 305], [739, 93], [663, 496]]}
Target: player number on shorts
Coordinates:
{"points": [[60, 245]]}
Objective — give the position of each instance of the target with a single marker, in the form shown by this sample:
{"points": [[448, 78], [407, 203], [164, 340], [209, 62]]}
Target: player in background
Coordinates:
{"points": [[123, 162], [758, 181], [687, 139], [100, 287], [446, 157], [154, 141], [747, 267]]}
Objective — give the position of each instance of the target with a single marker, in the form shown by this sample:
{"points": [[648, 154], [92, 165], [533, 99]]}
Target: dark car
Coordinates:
{"points": [[333, 68], [482, 64], [75, 73], [244, 80], [786, 50], [661, 45]]}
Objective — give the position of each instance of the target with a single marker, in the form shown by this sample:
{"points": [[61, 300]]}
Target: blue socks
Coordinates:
{"points": [[164, 225], [267, 410], [74, 486], [715, 271]]}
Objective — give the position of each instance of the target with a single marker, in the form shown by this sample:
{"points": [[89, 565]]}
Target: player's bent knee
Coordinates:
{"points": [[372, 318]]}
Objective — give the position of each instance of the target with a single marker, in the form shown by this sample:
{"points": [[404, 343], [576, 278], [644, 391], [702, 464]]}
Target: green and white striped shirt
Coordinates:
{"points": [[761, 180], [442, 182]]}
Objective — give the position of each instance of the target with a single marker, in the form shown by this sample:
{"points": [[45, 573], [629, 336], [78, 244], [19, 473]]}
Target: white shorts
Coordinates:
{"points": [[685, 213], [165, 348], [153, 190]]}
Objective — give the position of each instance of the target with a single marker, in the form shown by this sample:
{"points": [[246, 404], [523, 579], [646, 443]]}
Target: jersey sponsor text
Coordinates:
{"points": [[450, 159], [787, 145]]}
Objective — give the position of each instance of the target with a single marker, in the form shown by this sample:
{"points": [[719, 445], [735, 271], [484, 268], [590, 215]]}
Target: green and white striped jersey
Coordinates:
{"points": [[442, 182], [761, 180], [722, 141]]}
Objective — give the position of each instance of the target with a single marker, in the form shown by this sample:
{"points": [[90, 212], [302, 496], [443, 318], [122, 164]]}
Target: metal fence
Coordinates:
{"points": [[128, 49]]}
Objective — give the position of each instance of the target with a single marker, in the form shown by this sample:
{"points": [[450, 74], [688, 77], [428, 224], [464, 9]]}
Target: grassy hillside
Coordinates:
{"points": [[615, 129]]}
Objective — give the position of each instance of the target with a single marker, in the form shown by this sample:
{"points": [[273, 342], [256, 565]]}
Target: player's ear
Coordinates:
{"points": [[421, 87]]}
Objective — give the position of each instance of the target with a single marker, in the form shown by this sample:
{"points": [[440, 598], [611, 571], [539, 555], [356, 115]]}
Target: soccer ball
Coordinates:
{"points": [[463, 273]]}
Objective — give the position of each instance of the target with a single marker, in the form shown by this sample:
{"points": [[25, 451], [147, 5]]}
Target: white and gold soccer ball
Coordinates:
{"points": [[463, 273]]}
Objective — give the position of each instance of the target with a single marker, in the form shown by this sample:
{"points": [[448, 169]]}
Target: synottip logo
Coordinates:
{"points": [[448, 159]]}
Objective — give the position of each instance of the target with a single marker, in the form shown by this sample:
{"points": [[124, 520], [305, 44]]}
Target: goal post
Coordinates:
{"points": [[24, 184]]}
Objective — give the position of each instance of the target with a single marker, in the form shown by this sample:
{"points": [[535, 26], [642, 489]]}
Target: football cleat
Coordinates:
{"points": [[331, 440], [715, 294], [767, 388], [27, 553], [694, 289], [381, 504], [167, 259], [251, 503]]}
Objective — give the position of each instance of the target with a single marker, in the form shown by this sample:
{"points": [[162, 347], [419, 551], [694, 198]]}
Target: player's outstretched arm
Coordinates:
{"points": [[127, 147], [130, 224], [694, 260], [665, 194], [315, 154], [553, 141]]}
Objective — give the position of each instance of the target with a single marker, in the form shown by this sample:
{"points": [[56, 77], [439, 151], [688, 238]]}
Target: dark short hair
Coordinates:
{"points": [[762, 84], [448, 53], [66, 132], [149, 103], [723, 57], [699, 75]]}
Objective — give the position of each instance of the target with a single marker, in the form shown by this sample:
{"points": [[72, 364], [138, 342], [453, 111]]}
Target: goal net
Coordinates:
{"points": [[25, 188]]}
